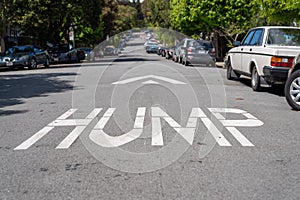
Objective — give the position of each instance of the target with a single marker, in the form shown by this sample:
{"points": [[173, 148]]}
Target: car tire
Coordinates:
{"points": [[47, 63], [175, 59], [185, 62], [293, 98], [32, 64], [237, 74], [255, 80], [229, 71]]}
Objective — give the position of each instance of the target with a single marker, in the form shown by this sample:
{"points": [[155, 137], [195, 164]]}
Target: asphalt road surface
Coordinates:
{"points": [[143, 127]]}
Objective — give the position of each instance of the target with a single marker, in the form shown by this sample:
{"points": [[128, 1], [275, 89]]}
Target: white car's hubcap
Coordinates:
{"points": [[295, 90]]}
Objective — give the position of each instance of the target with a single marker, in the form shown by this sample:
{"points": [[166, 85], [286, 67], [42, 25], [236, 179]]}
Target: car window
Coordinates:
{"points": [[36, 49], [190, 43], [257, 37], [284, 37], [182, 42], [248, 38]]}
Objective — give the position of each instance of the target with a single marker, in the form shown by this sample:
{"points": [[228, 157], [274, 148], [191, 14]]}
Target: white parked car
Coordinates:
{"points": [[292, 86], [266, 54]]}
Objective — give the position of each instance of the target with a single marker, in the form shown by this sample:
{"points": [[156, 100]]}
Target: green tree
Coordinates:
{"points": [[157, 12], [49, 20], [109, 15], [280, 12], [126, 18], [229, 16]]}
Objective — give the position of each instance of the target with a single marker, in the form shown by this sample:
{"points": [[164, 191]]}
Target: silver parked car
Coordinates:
{"points": [[292, 86]]}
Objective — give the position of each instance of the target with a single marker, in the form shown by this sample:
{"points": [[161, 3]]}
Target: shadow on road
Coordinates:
{"points": [[15, 89], [134, 59], [275, 89]]}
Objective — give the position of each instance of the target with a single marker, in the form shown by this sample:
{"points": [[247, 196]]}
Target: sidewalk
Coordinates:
{"points": [[220, 64]]}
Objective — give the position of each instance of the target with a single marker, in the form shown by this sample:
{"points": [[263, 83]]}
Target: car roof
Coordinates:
{"points": [[270, 27], [22, 46]]}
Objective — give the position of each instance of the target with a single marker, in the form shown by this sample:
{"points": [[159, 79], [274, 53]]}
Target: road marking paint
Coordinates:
{"points": [[62, 121], [239, 137], [67, 114], [101, 138], [103, 121], [150, 82], [33, 139], [141, 112], [230, 125], [70, 139], [218, 136], [94, 113], [70, 122], [157, 136], [243, 123], [130, 80], [188, 133]]}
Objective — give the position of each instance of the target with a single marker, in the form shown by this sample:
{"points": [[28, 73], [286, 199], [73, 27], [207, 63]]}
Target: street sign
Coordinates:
{"points": [[71, 35]]}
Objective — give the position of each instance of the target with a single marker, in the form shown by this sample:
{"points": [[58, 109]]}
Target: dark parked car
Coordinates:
{"points": [[81, 54], [292, 86], [24, 56], [87, 51], [64, 53]]}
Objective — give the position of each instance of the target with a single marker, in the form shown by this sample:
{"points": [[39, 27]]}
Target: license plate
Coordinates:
{"points": [[9, 63], [55, 59]]}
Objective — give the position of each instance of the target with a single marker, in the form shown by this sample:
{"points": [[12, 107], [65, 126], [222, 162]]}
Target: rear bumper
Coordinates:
{"points": [[204, 60], [276, 74]]}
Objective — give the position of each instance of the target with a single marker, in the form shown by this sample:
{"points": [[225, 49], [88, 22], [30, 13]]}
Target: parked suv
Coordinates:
{"points": [[292, 86], [266, 54]]}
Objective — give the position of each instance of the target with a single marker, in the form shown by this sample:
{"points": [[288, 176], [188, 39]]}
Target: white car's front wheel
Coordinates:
{"points": [[229, 71], [255, 80], [292, 90]]}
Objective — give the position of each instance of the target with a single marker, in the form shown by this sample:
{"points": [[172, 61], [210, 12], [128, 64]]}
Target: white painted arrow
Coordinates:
{"points": [[130, 80], [150, 82]]}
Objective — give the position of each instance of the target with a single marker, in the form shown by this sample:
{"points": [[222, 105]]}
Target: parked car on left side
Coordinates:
{"points": [[292, 85], [86, 50], [64, 53], [25, 56]]}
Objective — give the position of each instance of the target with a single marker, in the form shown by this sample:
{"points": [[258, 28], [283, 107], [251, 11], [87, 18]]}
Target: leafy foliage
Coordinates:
{"points": [[229, 16], [157, 12], [126, 18], [50, 20], [280, 12]]}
